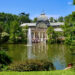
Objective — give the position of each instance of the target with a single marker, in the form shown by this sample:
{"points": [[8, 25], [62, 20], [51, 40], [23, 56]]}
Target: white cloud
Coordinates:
{"points": [[69, 3]]}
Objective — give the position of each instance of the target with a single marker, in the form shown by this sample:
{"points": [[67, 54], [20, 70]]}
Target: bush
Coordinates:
{"points": [[4, 37], [32, 65], [4, 58], [51, 41], [68, 40]]}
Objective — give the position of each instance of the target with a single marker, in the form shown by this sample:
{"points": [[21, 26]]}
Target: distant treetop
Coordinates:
{"points": [[73, 2]]}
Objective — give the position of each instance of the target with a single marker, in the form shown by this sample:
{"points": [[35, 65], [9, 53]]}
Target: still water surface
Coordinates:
{"points": [[58, 54]]}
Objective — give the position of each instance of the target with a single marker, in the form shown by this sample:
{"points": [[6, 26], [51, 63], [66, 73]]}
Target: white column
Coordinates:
{"points": [[39, 35], [34, 35], [42, 36]]}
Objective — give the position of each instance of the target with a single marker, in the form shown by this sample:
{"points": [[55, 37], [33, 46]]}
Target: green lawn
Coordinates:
{"points": [[67, 72]]}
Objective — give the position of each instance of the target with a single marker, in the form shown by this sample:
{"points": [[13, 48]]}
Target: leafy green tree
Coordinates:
{"points": [[4, 58], [24, 18], [51, 36], [69, 28], [51, 19], [35, 19], [1, 29], [61, 19], [74, 2], [25, 31], [10, 24], [7, 19], [14, 31], [55, 20]]}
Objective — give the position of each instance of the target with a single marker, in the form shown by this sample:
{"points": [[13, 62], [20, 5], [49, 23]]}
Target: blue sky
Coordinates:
{"points": [[53, 8]]}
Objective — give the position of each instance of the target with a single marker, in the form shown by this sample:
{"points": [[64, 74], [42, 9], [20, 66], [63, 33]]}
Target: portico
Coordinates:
{"points": [[39, 35]]}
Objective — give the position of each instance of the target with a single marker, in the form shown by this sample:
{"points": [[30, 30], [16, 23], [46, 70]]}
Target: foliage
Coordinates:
{"points": [[10, 24], [32, 65], [4, 37], [24, 18], [61, 19], [1, 29], [16, 33], [14, 29], [35, 19], [4, 59], [72, 47], [25, 31], [53, 36], [69, 28], [51, 19], [55, 20], [74, 2], [50, 32], [68, 40]]}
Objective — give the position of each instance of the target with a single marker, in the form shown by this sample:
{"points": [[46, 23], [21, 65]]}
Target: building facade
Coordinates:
{"points": [[39, 29]]}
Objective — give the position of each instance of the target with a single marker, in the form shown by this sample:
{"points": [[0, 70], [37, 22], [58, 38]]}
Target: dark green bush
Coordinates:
{"points": [[4, 58], [32, 65], [51, 41]]}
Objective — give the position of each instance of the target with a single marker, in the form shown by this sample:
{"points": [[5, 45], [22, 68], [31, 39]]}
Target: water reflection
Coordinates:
{"points": [[30, 54], [40, 51], [58, 54]]}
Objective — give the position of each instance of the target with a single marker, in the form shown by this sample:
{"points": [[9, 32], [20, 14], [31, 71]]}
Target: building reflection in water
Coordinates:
{"points": [[37, 51]]}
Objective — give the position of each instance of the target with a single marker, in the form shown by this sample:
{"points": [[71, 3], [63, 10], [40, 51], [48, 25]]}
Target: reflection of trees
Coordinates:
{"points": [[4, 47], [18, 52], [59, 52]]}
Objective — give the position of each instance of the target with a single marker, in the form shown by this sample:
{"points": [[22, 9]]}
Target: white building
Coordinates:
{"points": [[39, 28]]}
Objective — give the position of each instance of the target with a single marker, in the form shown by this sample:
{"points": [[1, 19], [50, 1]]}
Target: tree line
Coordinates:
{"points": [[10, 29], [52, 19], [68, 30]]}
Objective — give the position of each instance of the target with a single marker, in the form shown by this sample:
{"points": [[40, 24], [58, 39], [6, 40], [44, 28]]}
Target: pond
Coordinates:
{"points": [[58, 54]]}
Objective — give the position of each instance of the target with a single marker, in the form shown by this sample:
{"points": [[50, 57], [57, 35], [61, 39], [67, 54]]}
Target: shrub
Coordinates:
{"points": [[4, 58], [32, 65], [4, 37], [68, 40]]}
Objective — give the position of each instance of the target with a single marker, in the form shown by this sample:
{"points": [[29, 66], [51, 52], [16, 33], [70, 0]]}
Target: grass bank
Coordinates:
{"points": [[61, 72]]}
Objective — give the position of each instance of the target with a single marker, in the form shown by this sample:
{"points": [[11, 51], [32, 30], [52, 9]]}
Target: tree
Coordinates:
{"points": [[61, 19], [24, 18], [1, 29], [51, 19], [74, 2], [55, 20], [14, 31], [4, 58], [51, 36], [69, 28], [10, 24], [25, 31], [35, 19]]}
